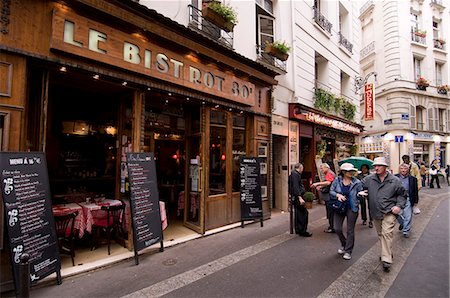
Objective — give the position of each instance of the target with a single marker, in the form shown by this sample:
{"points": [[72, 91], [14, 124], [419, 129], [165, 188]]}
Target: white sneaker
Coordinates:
{"points": [[416, 210], [341, 251], [347, 256]]}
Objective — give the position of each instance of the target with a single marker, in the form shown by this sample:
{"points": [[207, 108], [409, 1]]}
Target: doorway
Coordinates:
{"points": [[280, 172]]}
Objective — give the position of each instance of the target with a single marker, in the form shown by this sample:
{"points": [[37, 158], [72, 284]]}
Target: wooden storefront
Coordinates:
{"points": [[89, 80]]}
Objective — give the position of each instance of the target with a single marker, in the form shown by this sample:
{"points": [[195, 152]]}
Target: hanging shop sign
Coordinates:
{"points": [[83, 37], [29, 218], [326, 121], [369, 102]]}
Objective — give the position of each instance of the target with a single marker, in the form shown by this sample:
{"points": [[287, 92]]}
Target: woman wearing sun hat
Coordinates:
{"points": [[345, 189]]}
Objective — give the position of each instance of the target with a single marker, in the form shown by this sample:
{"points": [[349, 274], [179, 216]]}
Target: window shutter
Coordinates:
{"points": [[412, 116], [430, 119], [436, 119], [448, 120]]}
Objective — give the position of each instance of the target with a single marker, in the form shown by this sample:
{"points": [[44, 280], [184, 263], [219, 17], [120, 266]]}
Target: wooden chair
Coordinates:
{"points": [[113, 223], [65, 234]]}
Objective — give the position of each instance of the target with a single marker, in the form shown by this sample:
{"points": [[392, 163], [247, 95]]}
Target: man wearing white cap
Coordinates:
{"points": [[387, 197]]}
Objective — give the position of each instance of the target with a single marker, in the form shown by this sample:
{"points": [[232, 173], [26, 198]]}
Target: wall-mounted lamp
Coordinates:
{"points": [[360, 81]]}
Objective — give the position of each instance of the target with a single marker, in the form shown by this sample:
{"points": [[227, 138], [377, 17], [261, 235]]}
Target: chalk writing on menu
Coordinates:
{"points": [[28, 207], [250, 195], [144, 200]]}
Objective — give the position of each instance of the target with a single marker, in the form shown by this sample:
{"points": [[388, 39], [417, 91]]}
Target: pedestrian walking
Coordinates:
{"points": [[413, 170], [447, 174], [362, 200], [434, 176], [423, 173], [323, 189], [409, 182], [345, 189], [386, 197], [296, 192]]}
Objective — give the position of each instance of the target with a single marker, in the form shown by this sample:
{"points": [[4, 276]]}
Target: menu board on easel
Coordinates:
{"points": [[250, 195], [28, 209], [145, 211]]}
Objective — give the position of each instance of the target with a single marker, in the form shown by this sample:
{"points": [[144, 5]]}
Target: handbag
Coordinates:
{"points": [[339, 207]]}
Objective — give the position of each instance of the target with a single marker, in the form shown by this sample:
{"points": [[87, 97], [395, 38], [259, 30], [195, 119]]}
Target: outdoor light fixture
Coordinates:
{"points": [[360, 81]]}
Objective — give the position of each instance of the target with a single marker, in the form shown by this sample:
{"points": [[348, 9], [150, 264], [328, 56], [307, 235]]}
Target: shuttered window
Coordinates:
{"points": [[412, 117], [430, 119]]}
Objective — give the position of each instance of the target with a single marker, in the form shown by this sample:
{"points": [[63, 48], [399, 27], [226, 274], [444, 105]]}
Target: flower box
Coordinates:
{"points": [[443, 89], [217, 19], [278, 50]]}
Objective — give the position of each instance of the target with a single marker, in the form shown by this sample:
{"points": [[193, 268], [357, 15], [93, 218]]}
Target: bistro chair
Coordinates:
{"points": [[65, 233], [112, 224]]}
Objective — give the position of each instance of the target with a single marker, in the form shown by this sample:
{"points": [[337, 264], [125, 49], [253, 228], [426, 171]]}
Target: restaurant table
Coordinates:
{"points": [[92, 211], [80, 221]]}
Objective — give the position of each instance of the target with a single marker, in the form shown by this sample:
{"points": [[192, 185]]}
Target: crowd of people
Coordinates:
{"points": [[384, 199]]}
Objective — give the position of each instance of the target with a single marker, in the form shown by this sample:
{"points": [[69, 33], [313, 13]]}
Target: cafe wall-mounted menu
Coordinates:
{"points": [[250, 195], [28, 208], [144, 200]]}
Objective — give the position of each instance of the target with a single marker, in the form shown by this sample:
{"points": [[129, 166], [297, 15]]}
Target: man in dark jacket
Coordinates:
{"points": [[387, 197], [296, 192], [409, 182]]}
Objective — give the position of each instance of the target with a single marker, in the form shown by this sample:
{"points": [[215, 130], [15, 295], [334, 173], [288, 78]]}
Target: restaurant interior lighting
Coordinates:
{"points": [[96, 76], [241, 112], [216, 106], [149, 89], [124, 83], [230, 109], [187, 98], [63, 69]]}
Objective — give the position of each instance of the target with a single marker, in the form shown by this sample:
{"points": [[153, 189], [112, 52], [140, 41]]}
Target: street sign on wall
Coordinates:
{"points": [[399, 139]]}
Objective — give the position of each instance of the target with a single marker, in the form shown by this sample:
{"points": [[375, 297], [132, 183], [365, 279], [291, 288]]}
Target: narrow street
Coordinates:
{"points": [[269, 262]]}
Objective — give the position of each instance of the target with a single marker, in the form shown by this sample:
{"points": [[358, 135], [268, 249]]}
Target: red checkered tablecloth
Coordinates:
{"points": [[80, 222]]}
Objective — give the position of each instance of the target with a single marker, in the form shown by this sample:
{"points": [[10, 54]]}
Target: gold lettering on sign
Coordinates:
{"points": [[74, 34]]}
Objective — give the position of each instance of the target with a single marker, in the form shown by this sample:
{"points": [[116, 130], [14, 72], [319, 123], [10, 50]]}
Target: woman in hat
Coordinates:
{"points": [[343, 192]]}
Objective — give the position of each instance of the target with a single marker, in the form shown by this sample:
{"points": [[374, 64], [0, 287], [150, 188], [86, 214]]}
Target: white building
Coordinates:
{"points": [[403, 41], [324, 39]]}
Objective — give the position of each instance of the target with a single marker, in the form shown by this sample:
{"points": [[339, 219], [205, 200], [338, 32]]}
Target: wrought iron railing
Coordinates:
{"points": [[418, 37], [321, 20], [439, 44], [268, 59], [345, 43], [367, 50], [198, 23]]}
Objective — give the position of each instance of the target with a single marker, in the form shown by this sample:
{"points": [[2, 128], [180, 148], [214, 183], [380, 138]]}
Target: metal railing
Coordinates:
{"points": [[268, 59], [198, 23], [418, 37], [321, 20], [367, 50], [345, 42], [439, 44]]}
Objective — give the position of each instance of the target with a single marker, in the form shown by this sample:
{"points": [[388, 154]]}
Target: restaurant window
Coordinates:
{"points": [[238, 147], [217, 152]]}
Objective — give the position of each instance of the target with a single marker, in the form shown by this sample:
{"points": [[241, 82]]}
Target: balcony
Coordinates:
{"points": [[322, 21], [345, 43], [270, 60], [367, 50], [419, 37], [439, 44], [199, 24]]}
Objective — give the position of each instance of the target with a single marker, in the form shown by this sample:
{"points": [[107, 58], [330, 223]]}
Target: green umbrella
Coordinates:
{"points": [[357, 161]]}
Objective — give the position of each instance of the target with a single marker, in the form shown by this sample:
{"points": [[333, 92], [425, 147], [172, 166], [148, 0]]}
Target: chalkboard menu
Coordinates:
{"points": [[28, 209], [251, 203], [144, 200]]}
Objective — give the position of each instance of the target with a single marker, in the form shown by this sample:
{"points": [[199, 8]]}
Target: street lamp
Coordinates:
{"points": [[360, 81]]}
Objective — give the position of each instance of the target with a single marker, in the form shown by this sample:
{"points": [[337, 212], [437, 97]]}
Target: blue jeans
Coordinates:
{"points": [[407, 218]]}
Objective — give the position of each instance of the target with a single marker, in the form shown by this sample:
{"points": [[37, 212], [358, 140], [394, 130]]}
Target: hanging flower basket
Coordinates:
{"points": [[443, 89], [222, 16], [277, 50], [422, 84]]}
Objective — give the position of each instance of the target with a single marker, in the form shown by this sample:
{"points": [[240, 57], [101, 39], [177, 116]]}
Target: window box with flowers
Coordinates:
{"points": [[420, 33], [223, 16], [422, 84], [443, 89], [277, 49]]}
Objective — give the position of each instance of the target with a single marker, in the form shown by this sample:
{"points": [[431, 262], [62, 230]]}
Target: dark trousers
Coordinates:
{"points": [[433, 178], [330, 215], [424, 180], [363, 204], [301, 219], [346, 242]]}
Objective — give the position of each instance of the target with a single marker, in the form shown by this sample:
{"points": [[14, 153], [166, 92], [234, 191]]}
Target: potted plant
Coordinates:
{"points": [[442, 89], [420, 33], [278, 50], [309, 197], [223, 16], [422, 83]]}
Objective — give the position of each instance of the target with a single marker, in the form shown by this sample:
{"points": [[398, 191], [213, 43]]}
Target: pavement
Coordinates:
{"points": [[267, 261]]}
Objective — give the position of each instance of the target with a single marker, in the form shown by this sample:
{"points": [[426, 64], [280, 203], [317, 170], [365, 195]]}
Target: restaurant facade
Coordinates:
{"points": [[316, 137], [88, 81]]}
